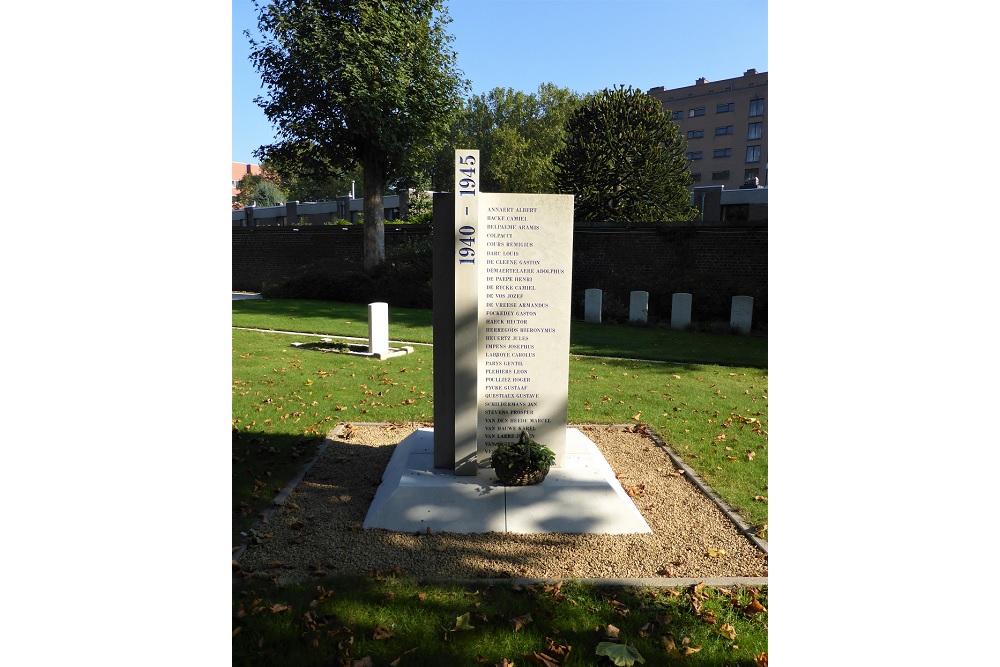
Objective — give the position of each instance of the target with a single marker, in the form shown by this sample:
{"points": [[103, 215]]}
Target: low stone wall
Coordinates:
{"points": [[714, 262]]}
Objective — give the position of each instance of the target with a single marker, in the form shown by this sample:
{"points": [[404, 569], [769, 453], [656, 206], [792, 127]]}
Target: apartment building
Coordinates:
{"points": [[725, 125], [239, 171]]}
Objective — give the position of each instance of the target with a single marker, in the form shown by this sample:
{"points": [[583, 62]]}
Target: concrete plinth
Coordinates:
{"points": [[583, 496]]}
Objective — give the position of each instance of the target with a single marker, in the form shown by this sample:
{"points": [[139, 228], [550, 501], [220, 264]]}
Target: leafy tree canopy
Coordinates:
{"points": [[516, 133], [356, 82], [624, 159]]}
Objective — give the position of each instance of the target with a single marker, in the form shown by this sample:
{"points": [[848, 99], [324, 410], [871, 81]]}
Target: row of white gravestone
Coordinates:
{"points": [[740, 315]]}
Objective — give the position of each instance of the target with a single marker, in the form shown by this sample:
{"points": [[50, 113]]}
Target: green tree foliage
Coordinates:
{"points": [[303, 186], [262, 189], [356, 82], [269, 194], [624, 160], [516, 134]]}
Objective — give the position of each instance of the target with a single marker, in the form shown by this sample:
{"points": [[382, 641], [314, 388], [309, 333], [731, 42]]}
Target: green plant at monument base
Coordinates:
{"points": [[392, 619], [522, 462]]}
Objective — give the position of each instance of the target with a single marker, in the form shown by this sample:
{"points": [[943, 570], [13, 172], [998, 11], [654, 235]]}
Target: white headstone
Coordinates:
{"points": [[378, 328], [680, 310], [638, 307], [742, 313], [592, 305]]}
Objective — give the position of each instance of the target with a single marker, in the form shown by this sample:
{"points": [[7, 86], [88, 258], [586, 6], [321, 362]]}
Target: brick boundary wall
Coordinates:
{"points": [[714, 262]]}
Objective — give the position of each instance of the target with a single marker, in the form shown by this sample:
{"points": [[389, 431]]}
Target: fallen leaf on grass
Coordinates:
{"points": [[542, 659], [519, 622], [382, 633], [753, 607], [621, 654], [561, 651], [278, 608], [611, 632], [395, 663], [760, 660], [727, 631], [462, 622]]}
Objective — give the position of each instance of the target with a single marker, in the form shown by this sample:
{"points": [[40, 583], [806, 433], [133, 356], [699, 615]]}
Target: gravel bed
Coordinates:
{"points": [[317, 530]]}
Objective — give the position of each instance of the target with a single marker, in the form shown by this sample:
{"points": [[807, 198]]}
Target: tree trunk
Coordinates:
{"points": [[374, 211]]}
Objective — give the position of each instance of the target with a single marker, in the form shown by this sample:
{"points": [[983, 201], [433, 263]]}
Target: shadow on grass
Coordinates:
{"points": [[398, 620], [261, 465]]}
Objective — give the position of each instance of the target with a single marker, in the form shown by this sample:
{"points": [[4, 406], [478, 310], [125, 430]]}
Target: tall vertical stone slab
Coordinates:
{"points": [[526, 244], [741, 313], [466, 254], [638, 307], [592, 305], [680, 310], [378, 328], [443, 222]]}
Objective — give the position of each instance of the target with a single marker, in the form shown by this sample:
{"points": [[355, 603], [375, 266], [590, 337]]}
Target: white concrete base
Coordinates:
{"points": [[582, 496], [364, 351]]}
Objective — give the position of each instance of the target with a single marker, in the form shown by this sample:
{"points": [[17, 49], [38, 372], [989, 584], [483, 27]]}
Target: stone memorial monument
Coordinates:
{"points": [[502, 297], [505, 261]]}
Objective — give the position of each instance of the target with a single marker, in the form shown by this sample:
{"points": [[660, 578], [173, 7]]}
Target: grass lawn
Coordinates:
{"points": [[705, 395], [397, 621]]}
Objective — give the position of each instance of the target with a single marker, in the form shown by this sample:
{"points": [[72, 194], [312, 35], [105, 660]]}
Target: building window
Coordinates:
{"points": [[753, 153], [720, 175], [700, 111], [750, 174], [723, 108], [722, 152], [696, 134], [696, 178], [696, 155], [757, 107], [755, 130], [728, 129], [676, 115]]}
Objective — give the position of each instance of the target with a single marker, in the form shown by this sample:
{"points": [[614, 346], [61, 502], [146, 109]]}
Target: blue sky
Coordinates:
{"points": [[584, 45]]}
